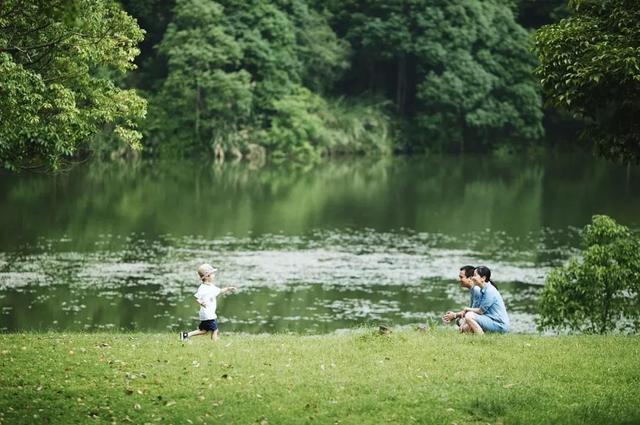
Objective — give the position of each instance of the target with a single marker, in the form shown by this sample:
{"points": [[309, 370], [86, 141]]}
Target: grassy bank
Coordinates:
{"points": [[434, 377]]}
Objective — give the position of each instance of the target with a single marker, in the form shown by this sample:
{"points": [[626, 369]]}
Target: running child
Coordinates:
{"points": [[206, 298]]}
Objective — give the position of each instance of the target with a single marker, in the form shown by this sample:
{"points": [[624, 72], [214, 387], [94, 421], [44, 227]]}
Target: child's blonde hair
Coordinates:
{"points": [[205, 270]]}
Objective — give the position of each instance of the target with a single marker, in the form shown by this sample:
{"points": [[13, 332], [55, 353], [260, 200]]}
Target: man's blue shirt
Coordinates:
{"points": [[474, 296], [492, 304]]}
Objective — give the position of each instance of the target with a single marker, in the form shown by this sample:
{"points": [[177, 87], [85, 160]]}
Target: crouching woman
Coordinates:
{"points": [[491, 314]]}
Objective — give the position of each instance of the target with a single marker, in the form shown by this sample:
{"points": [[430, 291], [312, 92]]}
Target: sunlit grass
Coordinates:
{"points": [[408, 377]]}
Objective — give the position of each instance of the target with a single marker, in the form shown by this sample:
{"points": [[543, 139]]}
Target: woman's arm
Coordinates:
{"points": [[473, 310], [450, 315]]}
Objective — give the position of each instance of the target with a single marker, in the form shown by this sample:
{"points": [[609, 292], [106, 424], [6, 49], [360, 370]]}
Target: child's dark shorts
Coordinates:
{"points": [[208, 325]]}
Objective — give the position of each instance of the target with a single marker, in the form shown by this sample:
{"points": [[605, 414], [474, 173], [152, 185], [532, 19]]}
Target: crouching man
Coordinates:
{"points": [[465, 278]]}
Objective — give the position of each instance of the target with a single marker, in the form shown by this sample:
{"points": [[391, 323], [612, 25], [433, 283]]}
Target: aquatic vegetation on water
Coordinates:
{"points": [[322, 281]]}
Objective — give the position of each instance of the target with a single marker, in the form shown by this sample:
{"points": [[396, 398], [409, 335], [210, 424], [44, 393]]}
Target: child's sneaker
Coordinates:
{"points": [[184, 335]]}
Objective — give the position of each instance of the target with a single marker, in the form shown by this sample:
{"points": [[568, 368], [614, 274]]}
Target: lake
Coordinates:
{"points": [[312, 249]]}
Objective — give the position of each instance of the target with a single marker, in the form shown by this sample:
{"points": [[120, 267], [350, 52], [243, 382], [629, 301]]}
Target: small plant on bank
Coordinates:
{"points": [[600, 292]]}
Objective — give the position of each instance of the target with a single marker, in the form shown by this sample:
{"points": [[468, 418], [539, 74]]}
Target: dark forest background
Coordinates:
{"points": [[306, 78]]}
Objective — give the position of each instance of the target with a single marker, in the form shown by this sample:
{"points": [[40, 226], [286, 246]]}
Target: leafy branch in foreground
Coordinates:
{"points": [[590, 65], [58, 63]]}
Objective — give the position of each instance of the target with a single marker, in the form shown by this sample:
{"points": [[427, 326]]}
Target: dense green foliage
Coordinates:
{"points": [[358, 378], [291, 77], [58, 60], [601, 291], [460, 71], [252, 72], [274, 74], [204, 95], [590, 65]]}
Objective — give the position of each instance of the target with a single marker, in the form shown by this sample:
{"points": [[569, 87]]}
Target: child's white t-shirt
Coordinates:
{"points": [[207, 294]]}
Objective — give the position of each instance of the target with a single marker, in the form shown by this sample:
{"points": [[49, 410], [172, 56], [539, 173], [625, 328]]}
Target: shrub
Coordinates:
{"points": [[599, 292]]}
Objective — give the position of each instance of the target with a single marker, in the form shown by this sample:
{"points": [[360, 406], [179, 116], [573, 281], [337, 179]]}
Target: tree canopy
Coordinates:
{"points": [[58, 61], [459, 71], [293, 76], [233, 69], [590, 65]]}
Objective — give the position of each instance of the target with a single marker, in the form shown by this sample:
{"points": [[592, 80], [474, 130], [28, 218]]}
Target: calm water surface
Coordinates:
{"points": [[311, 249]]}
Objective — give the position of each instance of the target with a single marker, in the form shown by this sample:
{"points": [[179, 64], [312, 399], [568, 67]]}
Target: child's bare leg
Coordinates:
{"points": [[214, 336], [196, 333]]}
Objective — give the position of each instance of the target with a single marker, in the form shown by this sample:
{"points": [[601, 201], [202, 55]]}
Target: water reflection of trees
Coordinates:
{"points": [[449, 195]]}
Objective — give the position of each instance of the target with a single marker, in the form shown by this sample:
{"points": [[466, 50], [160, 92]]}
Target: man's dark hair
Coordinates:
{"points": [[468, 270]]}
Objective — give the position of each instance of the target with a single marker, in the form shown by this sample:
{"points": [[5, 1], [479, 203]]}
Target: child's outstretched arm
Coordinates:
{"points": [[228, 289]]}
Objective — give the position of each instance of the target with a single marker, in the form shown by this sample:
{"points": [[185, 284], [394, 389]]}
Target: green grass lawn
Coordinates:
{"points": [[436, 377]]}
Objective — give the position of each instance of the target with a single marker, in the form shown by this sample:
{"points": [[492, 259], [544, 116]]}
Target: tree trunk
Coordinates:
{"points": [[605, 309], [197, 110], [401, 86], [628, 176], [463, 133], [372, 75]]}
